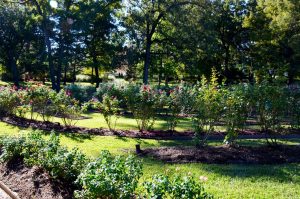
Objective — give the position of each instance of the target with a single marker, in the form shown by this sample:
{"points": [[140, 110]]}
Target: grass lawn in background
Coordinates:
{"points": [[224, 181]]}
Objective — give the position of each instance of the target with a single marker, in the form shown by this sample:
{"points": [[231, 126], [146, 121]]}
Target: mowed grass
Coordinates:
{"points": [[224, 181], [127, 122]]}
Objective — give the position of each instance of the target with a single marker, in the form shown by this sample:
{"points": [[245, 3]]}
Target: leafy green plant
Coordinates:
{"points": [[143, 102], [162, 186], [47, 154], [270, 102], [208, 109], [181, 100], [109, 107], [8, 100], [81, 93], [41, 99], [12, 147], [235, 111], [67, 108], [109, 177]]}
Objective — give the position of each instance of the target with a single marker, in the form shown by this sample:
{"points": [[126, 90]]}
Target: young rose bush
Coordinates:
{"points": [[112, 90], [180, 100], [109, 177], [109, 107], [143, 102], [9, 100], [67, 107], [208, 109], [41, 100], [270, 102], [235, 111]]}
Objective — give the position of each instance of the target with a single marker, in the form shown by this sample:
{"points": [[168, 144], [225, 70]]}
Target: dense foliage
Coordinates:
{"points": [[107, 176], [245, 40], [209, 104]]}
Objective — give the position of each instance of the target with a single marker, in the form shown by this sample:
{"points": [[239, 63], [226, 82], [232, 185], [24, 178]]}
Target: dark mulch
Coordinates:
{"points": [[226, 155], [154, 134], [31, 183]]}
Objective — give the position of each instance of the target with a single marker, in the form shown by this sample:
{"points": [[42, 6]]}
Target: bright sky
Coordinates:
{"points": [[53, 4]]}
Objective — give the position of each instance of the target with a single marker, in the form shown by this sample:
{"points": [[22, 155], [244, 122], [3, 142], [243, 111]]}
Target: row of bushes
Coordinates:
{"points": [[208, 104], [104, 177], [39, 99], [271, 105]]}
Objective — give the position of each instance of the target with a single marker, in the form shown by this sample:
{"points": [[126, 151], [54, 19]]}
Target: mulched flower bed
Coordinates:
{"points": [[32, 182], [226, 155], [155, 134]]}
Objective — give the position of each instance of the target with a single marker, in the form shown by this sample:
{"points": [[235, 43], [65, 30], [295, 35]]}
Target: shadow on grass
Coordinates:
{"points": [[282, 172]]}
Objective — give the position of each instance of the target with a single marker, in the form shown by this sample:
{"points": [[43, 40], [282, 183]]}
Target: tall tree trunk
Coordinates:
{"points": [[160, 71], [147, 60], [226, 64], [59, 65], [65, 72], [13, 66], [95, 65], [50, 59], [74, 72]]}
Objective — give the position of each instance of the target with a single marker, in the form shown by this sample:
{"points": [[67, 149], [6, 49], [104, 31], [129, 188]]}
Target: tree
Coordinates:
{"points": [[96, 25], [14, 35], [142, 20]]}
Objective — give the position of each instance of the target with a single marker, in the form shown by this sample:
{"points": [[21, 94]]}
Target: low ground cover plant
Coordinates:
{"points": [[163, 186], [107, 176], [47, 154]]}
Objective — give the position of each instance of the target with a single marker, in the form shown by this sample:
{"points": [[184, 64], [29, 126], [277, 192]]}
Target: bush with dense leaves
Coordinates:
{"points": [[109, 177], [236, 108], [180, 100], [47, 154], [163, 186], [144, 102], [209, 108], [81, 93], [270, 103], [67, 107], [9, 100]]}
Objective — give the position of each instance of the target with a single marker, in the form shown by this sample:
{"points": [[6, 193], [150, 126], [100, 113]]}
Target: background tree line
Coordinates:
{"points": [[155, 40]]}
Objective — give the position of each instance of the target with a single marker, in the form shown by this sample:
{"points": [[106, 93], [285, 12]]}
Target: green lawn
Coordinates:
{"points": [[224, 181]]}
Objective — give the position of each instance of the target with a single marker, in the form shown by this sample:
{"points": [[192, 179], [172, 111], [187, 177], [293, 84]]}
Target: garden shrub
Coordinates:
{"points": [[112, 90], [270, 101], [109, 177], [47, 154], [11, 147], [209, 107], [162, 186], [294, 108], [41, 100], [81, 93], [8, 100], [235, 111], [181, 100], [143, 102], [109, 107], [67, 108]]}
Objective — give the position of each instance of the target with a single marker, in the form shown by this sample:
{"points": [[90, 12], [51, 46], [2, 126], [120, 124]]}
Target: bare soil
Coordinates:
{"points": [[32, 183], [226, 155]]}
